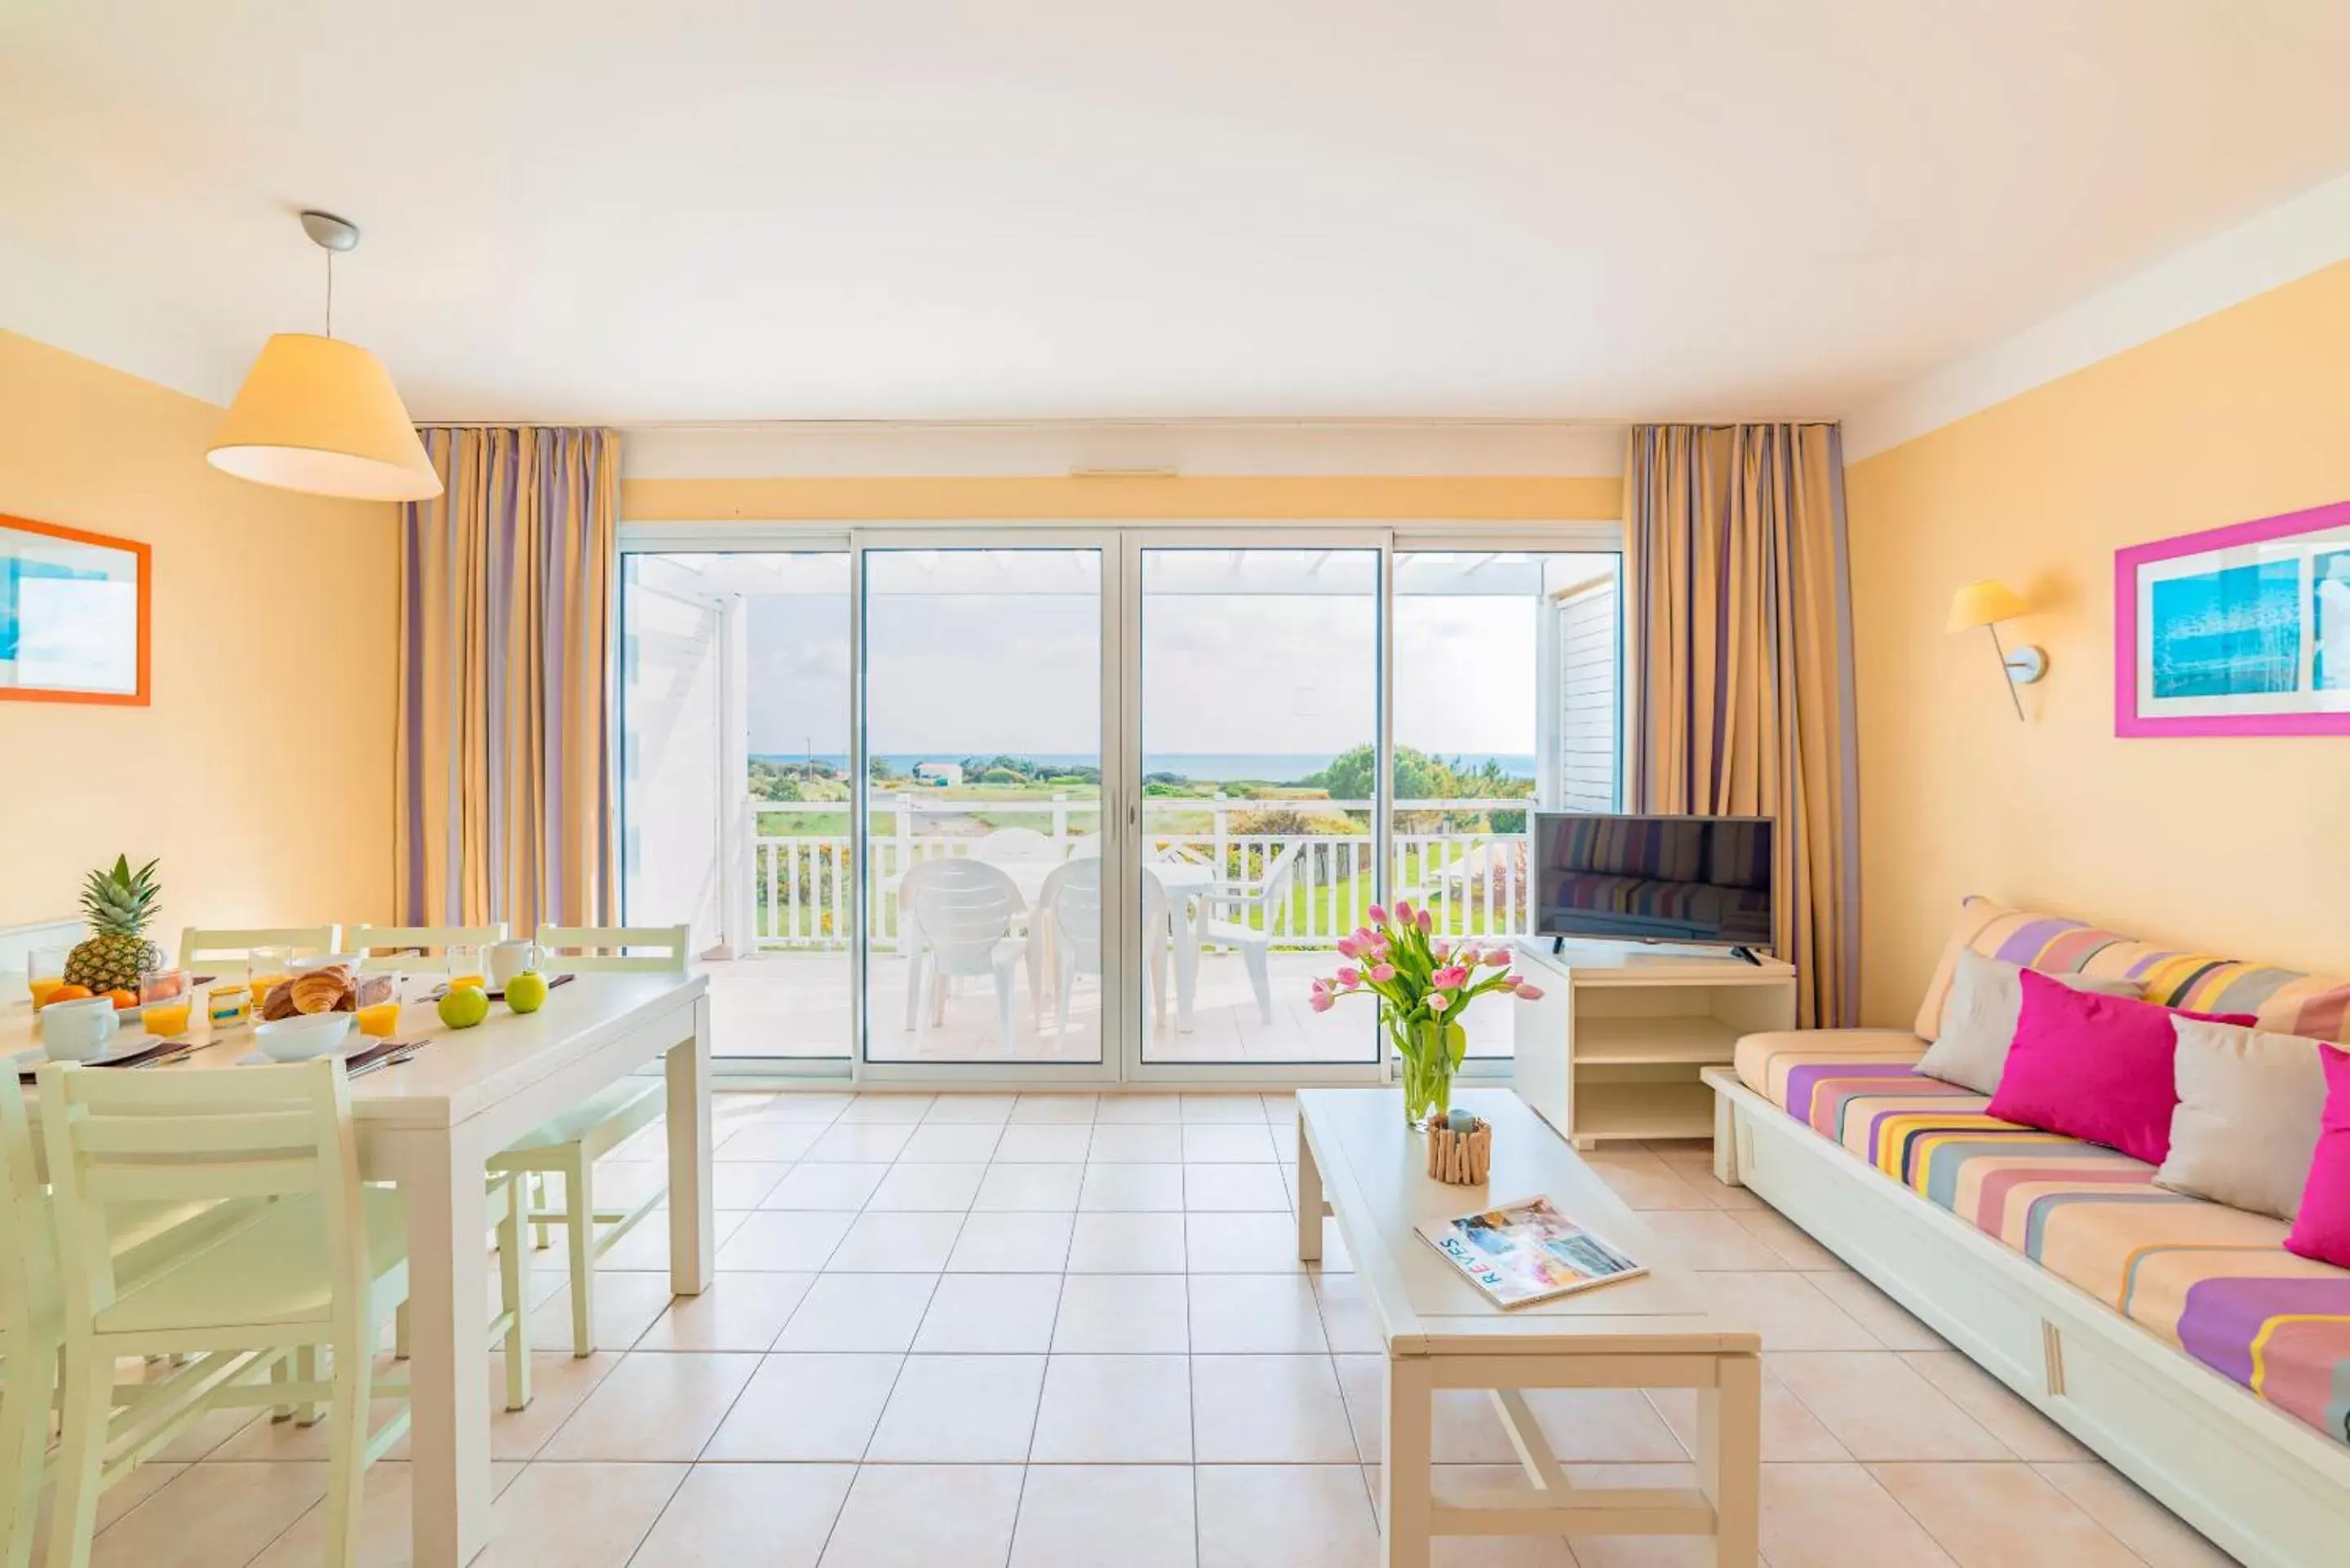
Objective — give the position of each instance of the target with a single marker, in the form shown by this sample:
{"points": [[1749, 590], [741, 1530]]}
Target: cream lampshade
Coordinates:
{"points": [[321, 416], [1981, 604]]}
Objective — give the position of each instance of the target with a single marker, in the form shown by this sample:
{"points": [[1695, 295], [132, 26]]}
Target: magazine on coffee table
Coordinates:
{"points": [[1527, 1252]]}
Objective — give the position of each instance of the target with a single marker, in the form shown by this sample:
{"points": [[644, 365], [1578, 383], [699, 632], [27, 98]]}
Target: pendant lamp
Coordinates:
{"points": [[320, 415]]}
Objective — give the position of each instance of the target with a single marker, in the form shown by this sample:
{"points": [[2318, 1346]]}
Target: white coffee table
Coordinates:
{"points": [[1357, 1161]]}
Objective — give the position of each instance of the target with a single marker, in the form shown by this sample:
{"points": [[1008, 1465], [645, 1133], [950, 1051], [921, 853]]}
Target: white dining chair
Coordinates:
{"points": [[29, 1330], [1071, 897], [224, 952], [1248, 916], [399, 947], [317, 1264], [1012, 845], [614, 949], [570, 1146], [968, 911]]}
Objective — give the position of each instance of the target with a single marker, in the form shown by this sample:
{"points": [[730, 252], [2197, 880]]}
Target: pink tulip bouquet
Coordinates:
{"points": [[1424, 983]]}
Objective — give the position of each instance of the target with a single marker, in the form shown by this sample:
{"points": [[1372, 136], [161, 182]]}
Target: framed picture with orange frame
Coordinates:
{"points": [[74, 608]]}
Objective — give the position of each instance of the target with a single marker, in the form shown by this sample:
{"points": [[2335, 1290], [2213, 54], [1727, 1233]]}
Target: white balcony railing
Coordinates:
{"points": [[1471, 878]]}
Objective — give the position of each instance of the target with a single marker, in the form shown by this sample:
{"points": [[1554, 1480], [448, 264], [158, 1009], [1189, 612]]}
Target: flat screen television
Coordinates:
{"points": [[1700, 879]]}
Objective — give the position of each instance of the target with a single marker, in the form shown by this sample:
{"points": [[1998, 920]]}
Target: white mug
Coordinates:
{"points": [[508, 959], [77, 1031]]}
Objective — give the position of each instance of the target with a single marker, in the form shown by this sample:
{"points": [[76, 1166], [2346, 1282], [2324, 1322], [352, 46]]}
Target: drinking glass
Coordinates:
{"points": [[265, 968], [164, 1001], [45, 970], [379, 1018], [467, 963]]}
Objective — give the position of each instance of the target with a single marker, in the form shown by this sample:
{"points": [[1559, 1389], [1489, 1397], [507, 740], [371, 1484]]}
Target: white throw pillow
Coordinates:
{"points": [[1979, 1018], [2250, 1109]]}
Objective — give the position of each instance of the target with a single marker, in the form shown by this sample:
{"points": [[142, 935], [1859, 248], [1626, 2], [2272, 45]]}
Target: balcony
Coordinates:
{"points": [[790, 995]]}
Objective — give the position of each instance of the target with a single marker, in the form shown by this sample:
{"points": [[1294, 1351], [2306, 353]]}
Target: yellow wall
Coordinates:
{"points": [[1124, 499], [2240, 846], [262, 772]]}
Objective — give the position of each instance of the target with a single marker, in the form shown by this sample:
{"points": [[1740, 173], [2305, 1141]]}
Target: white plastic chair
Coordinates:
{"points": [[316, 1264], [1013, 846], [226, 954], [1228, 909], [966, 910], [407, 942], [1085, 847], [1072, 895]]}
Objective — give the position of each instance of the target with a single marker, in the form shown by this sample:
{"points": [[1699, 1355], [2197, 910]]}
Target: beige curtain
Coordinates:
{"points": [[1740, 678], [506, 732]]}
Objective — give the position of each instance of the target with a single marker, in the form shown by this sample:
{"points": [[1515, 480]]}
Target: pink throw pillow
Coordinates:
{"points": [[2095, 1067], [2322, 1229]]}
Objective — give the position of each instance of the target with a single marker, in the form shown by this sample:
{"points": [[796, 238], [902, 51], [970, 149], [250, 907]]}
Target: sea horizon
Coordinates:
{"points": [[1262, 767]]}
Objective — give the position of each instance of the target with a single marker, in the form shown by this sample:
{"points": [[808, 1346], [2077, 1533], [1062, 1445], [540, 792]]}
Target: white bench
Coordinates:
{"points": [[1358, 1162]]}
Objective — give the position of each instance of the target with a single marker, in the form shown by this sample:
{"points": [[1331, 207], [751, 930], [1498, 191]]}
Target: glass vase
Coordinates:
{"points": [[1427, 1075]]}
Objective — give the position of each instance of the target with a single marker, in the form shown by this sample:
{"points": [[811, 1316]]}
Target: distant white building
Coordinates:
{"points": [[945, 775]]}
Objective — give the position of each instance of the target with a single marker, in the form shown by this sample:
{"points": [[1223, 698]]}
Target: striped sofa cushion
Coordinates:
{"points": [[2285, 1000]]}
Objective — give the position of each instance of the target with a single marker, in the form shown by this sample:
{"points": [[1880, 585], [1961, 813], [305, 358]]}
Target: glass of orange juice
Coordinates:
{"points": [[379, 1018], [468, 964], [263, 968], [45, 970]]}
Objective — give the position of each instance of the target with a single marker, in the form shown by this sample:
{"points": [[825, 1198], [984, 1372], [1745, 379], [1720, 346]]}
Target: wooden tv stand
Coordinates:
{"points": [[1613, 1049]]}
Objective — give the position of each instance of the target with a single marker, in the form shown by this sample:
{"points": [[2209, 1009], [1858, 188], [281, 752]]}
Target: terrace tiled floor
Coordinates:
{"points": [[798, 1005], [982, 1331]]}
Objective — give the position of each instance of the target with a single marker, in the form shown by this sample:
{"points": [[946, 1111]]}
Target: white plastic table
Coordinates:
{"points": [[1357, 1161], [432, 1125]]}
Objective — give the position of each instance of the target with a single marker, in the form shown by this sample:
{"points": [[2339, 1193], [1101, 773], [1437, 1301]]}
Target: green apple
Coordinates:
{"points": [[465, 1006], [526, 993]]}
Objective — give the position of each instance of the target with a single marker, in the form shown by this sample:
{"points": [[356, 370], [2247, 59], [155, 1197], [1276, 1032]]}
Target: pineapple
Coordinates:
{"points": [[119, 904]]}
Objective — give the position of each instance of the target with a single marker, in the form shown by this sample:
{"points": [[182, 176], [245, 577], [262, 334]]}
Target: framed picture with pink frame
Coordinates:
{"points": [[2242, 630]]}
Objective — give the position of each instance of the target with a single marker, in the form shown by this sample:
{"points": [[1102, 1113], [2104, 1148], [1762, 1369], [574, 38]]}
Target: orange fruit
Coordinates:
{"points": [[70, 993], [122, 999]]}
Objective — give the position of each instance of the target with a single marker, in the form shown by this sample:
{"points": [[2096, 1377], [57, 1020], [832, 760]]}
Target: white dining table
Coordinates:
{"points": [[431, 1126]]}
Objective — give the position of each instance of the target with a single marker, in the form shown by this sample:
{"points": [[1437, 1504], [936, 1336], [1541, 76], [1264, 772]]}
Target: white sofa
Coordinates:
{"points": [[1793, 1117]]}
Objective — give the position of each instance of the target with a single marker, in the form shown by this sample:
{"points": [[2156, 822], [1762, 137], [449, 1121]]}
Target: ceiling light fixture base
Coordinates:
{"points": [[326, 230]]}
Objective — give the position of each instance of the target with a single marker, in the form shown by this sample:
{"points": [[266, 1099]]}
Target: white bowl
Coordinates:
{"points": [[303, 1036], [326, 961]]}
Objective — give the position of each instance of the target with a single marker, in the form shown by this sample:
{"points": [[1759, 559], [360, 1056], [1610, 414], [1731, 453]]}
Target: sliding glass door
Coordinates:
{"points": [[983, 776], [1506, 692], [735, 786], [1259, 750], [1031, 804]]}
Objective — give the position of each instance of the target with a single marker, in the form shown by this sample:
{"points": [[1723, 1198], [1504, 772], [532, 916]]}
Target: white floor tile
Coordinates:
{"points": [[860, 1312], [927, 1516], [807, 1408], [1033, 1188], [991, 1313], [1013, 1243], [1068, 1513], [1122, 1313], [1115, 1409], [960, 1410]]}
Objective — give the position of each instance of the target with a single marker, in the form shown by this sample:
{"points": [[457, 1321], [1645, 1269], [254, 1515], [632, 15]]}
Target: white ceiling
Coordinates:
{"points": [[627, 212]]}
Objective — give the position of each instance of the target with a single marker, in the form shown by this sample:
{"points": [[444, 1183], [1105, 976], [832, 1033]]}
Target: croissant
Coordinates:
{"points": [[322, 990]]}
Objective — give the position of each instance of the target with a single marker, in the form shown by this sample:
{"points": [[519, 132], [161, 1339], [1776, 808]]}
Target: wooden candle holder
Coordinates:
{"points": [[1461, 1159]]}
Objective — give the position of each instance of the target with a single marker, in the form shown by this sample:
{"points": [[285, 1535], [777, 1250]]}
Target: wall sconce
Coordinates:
{"points": [[1986, 604]]}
